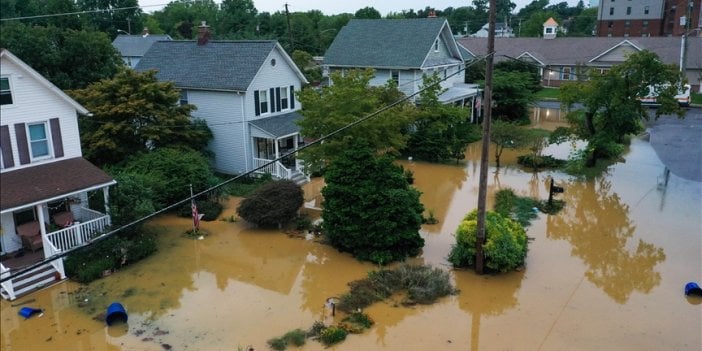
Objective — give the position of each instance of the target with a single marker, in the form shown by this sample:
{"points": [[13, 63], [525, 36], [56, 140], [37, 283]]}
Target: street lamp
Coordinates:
{"points": [[121, 31]]}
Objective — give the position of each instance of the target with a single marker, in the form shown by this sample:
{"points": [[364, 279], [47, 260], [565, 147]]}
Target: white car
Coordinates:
{"points": [[683, 97]]}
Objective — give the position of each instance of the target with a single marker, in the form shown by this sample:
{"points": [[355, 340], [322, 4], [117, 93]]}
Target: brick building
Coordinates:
{"points": [[644, 18]]}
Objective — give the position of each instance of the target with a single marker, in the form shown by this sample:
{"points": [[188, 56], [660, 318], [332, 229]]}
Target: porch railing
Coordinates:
{"points": [[7, 285], [58, 263], [78, 234], [276, 169]]}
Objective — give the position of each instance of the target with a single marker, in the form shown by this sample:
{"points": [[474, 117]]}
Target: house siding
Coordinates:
{"points": [[34, 102], [269, 76]]}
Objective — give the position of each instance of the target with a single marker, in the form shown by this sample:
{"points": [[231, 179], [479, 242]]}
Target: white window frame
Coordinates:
{"points": [[8, 90], [263, 102], [566, 73], [436, 45], [395, 76], [284, 98], [47, 140]]}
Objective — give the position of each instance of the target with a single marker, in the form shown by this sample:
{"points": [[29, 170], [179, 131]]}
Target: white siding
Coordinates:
{"points": [[269, 76], [10, 243], [223, 113], [618, 55], [34, 102]]}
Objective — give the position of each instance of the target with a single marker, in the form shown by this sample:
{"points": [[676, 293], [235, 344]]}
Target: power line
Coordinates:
{"points": [[79, 12], [245, 174]]}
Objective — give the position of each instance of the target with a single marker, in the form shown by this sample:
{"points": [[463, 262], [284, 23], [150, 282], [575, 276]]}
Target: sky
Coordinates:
{"points": [[331, 7]]}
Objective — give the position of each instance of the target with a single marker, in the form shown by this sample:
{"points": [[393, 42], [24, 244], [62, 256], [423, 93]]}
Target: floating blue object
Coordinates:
{"points": [[692, 288], [27, 312], [116, 312]]}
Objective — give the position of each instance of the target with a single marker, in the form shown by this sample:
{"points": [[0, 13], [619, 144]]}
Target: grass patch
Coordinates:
{"points": [[296, 337], [548, 94], [521, 208], [696, 98]]}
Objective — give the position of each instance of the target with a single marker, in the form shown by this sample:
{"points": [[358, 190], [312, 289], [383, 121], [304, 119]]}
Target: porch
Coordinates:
{"points": [[272, 138]]}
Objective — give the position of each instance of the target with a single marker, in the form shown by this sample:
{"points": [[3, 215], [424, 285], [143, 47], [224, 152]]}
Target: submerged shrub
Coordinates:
{"points": [[273, 204], [332, 335], [505, 245]]}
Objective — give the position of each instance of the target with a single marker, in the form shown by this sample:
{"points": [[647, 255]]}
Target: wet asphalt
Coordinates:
{"points": [[678, 142]]}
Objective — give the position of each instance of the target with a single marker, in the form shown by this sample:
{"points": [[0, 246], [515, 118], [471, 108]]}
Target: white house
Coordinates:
{"points": [[133, 47], [244, 90], [502, 30], [403, 50], [45, 180]]}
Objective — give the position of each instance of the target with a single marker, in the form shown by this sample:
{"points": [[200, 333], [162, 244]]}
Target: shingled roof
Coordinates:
{"points": [[219, 65], [386, 43], [280, 125], [136, 45], [572, 50], [26, 186]]}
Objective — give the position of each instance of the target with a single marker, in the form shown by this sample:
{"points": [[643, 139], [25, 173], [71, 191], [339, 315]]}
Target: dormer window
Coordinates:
{"points": [[436, 45], [5, 91]]}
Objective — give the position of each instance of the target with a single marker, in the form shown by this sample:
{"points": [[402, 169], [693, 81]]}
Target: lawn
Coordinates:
{"points": [[697, 98], [548, 94]]}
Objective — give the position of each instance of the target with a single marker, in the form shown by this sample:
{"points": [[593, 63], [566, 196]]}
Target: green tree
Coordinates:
{"points": [[367, 13], [303, 60], [347, 100], [534, 25], [110, 15], [506, 135], [132, 113], [132, 198], [71, 59], [512, 95], [505, 243], [273, 204], [612, 109], [370, 210], [180, 16], [238, 19]]}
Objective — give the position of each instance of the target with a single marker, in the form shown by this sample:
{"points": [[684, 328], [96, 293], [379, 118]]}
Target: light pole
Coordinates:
{"points": [[121, 31]]}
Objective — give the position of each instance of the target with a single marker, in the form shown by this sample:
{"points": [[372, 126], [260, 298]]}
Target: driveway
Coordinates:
{"points": [[678, 142]]}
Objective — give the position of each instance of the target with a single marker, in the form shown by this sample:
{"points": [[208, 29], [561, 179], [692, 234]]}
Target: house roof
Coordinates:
{"points": [[389, 43], [136, 45], [217, 65], [550, 22], [31, 185], [7, 55], [572, 50], [280, 125]]}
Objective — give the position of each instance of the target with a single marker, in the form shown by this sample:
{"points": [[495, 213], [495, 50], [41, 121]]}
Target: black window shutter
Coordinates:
{"points": [[277, 99], [6, 146], [271, 99], [56, 137], [292, 97], [22, 146], [257, 103]]}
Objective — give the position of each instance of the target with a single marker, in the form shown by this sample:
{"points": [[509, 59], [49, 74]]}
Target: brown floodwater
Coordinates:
{"points": [[607, 273]]}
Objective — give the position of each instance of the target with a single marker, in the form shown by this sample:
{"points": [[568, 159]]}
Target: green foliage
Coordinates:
{"points": [[209, 208], [295, 337], [132, 198], [303, 222], [369, 208], [273, 204], [537, 162], [332, 335], [512, 93], [440, 132], [519, 208], [424, 285], [132, 113], [359, 319], [312, 71], [243, 187], [170, 172], [112, 253], [71, 59], [506, 135], [278, 344], [612, 109], [349, 99], [367, 13], [505, 245]]}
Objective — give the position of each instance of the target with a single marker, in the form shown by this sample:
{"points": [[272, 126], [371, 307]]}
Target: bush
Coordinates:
{"points": [[246, 186], [332, 335], [546, 161], [516, 207], [505, 245], [296, 337], [273, 204]]}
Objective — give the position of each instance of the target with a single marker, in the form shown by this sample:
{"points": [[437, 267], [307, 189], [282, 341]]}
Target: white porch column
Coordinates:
{"points": [[106, 198], [277, 154], [42, 228]]}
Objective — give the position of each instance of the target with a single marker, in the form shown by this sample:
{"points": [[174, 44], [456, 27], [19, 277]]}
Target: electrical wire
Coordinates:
{"points": [[79, 12], [190, 198]]}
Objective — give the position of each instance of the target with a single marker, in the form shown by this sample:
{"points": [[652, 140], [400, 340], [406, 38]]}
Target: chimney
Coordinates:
{"points": [[145, 33], [431, 14], [203, 35]]}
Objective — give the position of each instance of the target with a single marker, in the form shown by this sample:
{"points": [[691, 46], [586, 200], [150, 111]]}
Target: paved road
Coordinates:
{"points": [[678, 142]]}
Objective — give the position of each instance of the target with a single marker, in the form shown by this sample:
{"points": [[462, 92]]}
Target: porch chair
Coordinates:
{"points": [[63, 219], [30, 233]]}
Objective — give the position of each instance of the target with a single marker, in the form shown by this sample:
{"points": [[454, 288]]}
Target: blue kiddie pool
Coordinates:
{"points": [[692, 288], [116, 312], [27, 312]]}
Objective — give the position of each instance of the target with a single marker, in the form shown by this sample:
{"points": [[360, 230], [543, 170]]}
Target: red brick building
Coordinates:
{"points": [[643, 18]]}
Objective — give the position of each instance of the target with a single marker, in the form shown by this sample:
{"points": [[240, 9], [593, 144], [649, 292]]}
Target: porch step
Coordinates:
{"points": [[35, 279], [299, 178]]}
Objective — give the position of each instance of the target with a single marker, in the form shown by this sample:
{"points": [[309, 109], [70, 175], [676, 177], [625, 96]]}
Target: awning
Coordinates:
{"points": [[33, 185], [458, 92], [278, 126]]}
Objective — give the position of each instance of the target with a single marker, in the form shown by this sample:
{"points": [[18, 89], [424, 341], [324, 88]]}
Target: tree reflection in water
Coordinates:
{"points": [[597, 225]]}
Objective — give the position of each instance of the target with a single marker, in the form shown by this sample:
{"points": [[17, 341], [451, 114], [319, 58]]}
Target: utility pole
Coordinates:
{"points": [[290, 34], [484, 154], [683, 45]]}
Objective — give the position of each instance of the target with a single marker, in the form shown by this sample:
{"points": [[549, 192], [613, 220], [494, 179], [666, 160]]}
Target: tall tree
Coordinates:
{"points": [[347, 100], [238, 19], [367, 13], [134, 112], [612, 108], [110, 15], [184, 14]]}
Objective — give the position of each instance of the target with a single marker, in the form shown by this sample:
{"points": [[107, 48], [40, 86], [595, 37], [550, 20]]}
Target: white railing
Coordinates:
{"points": [[7, 285], [78, 234], [276, 169], [57, 263], [87, 214]]}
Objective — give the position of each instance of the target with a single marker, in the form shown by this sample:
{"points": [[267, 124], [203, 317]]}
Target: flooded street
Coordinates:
{"points": [[606, 273]]}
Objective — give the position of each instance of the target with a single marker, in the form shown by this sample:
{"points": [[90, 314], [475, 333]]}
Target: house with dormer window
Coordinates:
{"points": [[245, 91], [45, 181]]}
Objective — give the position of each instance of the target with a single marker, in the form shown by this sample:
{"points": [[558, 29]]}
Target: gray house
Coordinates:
{"points": [[403, 50], [133, 47], [244, 90]]}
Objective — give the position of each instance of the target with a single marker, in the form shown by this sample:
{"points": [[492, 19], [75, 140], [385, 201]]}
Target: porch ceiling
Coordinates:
{"points": [[278, 126], [32, 185]]}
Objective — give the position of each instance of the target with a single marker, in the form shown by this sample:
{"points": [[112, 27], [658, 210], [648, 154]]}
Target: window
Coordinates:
{"points": [[549, 30], [38, 140], [566, 73], [183, 97], [611, 11], [284, 98], [628, 10], [645, 10], [436, 45], [645, 24], [395, 76], [263, 101], [5, 92]]}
